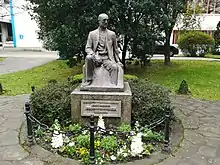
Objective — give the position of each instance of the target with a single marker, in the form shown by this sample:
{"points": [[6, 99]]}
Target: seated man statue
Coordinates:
{"points": [[102, 51]]}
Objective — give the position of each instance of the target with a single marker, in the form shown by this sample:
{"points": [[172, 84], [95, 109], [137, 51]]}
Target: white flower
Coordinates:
{"points": [[125, 155], [101, 122], [110, 132], [71, 144], [66, 139], [85, 132], [57, 140], [132, 133], [113, 157], [137, 145], [120, 151]]}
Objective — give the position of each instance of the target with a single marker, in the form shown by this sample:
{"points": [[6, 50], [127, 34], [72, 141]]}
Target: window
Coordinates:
{"points": [[6, 1]]}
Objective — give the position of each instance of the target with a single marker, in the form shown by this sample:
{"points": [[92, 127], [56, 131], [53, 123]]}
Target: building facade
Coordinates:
{"points": [[208, 17], [17, 27]]}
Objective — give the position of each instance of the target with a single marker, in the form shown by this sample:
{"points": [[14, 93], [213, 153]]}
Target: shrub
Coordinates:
{"points": [[149, 101], [52, 102], [195, 43], [183, 88]]}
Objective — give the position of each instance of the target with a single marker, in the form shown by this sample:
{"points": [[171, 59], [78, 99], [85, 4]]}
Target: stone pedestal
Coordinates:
{"points": [[115, 107]]}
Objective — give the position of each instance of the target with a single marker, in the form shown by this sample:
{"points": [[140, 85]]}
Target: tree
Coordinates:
{"points": [[65, 24], [217, 35], [169, 13], [136, 21]]}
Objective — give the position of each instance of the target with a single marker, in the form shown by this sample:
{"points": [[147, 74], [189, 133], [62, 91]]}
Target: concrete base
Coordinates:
{"points": [[125, 99]]}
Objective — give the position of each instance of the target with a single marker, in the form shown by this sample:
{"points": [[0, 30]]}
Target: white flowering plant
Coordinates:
{"points": [[122, 144]]}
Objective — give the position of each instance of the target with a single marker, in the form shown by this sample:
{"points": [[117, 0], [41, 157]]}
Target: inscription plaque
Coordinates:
{"points": [[101, 107]]}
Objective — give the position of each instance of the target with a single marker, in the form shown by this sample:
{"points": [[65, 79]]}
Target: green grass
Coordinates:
{"points": [[2, 59], [212, 56], [21, 82], [203, 77]]}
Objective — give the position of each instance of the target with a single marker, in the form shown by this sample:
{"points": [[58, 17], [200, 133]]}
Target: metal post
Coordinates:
{"points": [[1, 89], [32, 88], [29, 123], [92, 138], [167, 131]]}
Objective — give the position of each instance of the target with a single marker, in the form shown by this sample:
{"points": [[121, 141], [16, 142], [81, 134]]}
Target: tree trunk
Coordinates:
{"points": [[167, 48], [124, 50]]}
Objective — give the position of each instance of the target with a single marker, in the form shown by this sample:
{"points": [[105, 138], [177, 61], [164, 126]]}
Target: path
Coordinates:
{"points": [[17, 61], [201, 143], [11, 108], [161, 57]]}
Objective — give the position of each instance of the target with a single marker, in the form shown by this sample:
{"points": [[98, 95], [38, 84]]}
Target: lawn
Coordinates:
{"points": [[212, 56], [21, 82], [203, 77], [2, 59]]}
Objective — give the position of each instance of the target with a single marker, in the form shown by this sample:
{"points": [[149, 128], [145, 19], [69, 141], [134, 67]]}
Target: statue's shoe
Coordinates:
{"points": [[87, 83]]}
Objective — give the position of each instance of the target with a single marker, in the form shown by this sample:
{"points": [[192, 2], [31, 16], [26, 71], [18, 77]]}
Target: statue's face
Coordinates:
{"points": [[103, 21]]}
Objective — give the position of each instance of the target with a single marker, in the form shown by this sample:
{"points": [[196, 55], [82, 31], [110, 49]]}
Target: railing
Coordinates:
{"points": [[31, 120]]}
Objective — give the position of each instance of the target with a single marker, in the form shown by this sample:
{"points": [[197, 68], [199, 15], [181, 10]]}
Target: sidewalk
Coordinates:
{"points": [[23, 60], [28, 53]]}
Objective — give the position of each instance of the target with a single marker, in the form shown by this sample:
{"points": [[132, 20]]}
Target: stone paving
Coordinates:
{"points": [[201, 142], [17, 61]]}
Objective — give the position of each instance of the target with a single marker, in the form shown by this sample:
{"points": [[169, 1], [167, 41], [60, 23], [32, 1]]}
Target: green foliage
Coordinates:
{"points": [[124, 128], [195, 43], [109, 143], [152, 136], [169, 10], [130, 77], [83, 140], [52, 102], [148, 101], [39, 132], [77, 78], [183, 89], [66, 30], [217, 39], [74, 127]]}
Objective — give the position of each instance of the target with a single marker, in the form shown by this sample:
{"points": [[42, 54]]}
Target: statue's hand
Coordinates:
{"points": [[98, 62], [120, 64]]}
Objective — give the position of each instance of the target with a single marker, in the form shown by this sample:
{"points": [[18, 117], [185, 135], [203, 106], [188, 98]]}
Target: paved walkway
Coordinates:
{"points": [[161, 57], [17, 61], [201, 143]]}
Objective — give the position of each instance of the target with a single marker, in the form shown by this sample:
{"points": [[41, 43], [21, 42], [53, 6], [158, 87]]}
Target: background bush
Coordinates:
{"points": [[149, 101], [195, 43], [52, 102]]}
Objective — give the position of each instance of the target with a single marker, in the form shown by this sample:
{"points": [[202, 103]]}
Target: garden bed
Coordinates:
{"points": [[50, 158]]}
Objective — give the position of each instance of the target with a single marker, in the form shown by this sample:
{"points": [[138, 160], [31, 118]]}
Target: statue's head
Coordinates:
{"points": [[103, 20]]}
